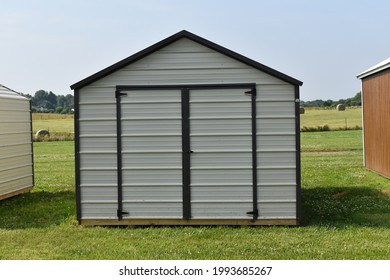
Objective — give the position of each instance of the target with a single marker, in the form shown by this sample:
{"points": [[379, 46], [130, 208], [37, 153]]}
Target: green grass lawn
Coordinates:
{"points": [[350, 118], [346, 215]]}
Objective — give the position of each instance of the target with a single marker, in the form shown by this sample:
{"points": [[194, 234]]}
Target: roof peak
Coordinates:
{"points": [[173, 38]]}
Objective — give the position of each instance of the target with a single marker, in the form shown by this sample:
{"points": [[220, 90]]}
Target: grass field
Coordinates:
{"points": [[346, 215], [54, 123], [350, 118]]}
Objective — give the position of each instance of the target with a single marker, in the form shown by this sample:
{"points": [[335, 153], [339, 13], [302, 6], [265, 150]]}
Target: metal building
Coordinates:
{"points": [[376, 116], [16, 151], [187, 132]]}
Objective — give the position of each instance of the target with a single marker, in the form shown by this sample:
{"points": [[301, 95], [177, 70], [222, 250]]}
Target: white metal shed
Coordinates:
{"points": [[16, 150], [187, 132]]}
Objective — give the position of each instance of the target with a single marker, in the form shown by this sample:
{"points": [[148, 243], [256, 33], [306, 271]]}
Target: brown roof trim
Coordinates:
{"points": [[170, 40]]}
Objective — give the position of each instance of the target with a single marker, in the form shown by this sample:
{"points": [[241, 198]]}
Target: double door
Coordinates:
{"points": [[187, 152]]}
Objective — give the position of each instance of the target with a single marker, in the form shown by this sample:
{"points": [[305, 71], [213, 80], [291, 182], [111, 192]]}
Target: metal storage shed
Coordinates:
{"points": [[16, 151], [376, 115], [187, 132]]}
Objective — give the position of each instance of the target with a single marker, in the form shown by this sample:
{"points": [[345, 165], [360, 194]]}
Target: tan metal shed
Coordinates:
{"points": [[187, 132], [376, 116], [16, 150]]}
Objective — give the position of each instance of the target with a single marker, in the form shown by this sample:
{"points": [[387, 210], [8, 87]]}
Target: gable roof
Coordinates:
{"points": [[170, 40], [9, 93], [375, 69]]}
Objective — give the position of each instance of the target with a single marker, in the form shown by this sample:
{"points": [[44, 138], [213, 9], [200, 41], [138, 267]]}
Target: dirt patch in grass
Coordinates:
{"points": [[386, 192]]}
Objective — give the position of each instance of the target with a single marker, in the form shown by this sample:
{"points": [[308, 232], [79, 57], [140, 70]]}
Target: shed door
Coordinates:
{"points": [[151, 154], [187, 152], [221, 158]]}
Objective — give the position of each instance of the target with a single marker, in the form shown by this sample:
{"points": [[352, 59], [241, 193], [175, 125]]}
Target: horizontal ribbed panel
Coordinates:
{"points": [[16, 165], [220, 138]]}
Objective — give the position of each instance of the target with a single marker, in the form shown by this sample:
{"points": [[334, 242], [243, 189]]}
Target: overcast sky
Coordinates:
{"points": [[52, 44]]}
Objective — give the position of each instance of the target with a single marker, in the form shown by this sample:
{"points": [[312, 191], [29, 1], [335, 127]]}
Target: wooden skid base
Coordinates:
{"points": [[194, 222], [8, 195]]}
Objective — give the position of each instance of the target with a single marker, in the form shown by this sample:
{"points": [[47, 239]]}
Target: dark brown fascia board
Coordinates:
{"points": [[170, 40]]}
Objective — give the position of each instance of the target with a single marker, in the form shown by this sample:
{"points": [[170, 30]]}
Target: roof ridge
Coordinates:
{"points": [[173, 38]]}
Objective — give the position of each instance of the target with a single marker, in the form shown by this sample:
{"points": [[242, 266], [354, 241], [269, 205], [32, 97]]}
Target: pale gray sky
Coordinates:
{"points": [[52, 44]]}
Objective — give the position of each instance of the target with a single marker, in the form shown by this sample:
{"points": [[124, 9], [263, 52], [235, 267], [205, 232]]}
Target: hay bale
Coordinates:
{"points": [[340, 107], [42, 133], [301, 110]]}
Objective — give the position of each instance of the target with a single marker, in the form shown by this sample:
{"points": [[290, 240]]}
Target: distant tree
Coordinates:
{"points": [[52, 100], [353, 101], [328, 103], [48, 102]]}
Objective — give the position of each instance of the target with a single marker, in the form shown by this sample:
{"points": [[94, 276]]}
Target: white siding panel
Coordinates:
{"points": [[95, 176], [97, 143], [277, 210], [156, 209], [99, 210], [275, 142], [16, 165], [151, 110], [221, 109], [97, 112], [276, 176], [152, 167], [16, 172], [221, 210], [225, 159], [153, 159], [221, 176], [17, 137], [267, 159], [98, 127], [275, 125], [207, 142], [191, 63], [151, 126], [222, 126], [275, 109], [98, 160], [12, 126], [97, 95], [221, 143], [276, 93], [16, 184], [100, 193], [15, 161], [12, 116], [17, 104], [12, 150], [277, 193]]}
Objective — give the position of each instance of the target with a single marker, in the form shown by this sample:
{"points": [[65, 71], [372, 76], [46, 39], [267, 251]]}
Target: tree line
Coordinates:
{"points": [[47, 102], [353, 101]]}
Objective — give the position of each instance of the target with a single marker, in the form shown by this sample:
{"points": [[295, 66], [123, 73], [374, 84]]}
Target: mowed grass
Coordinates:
{"points": [[345, 209], [350, 118]]}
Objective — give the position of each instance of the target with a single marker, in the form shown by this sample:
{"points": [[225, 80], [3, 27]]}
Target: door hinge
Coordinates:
{"points": [[119, 94], [251, 92], [253, 213], [120, 213]]}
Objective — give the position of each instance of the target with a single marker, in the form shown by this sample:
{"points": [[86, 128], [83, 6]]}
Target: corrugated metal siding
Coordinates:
{"points": [[16, 166], [151, 142], [220, 137], [376, 113], [153, 117], [276, 159]]}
